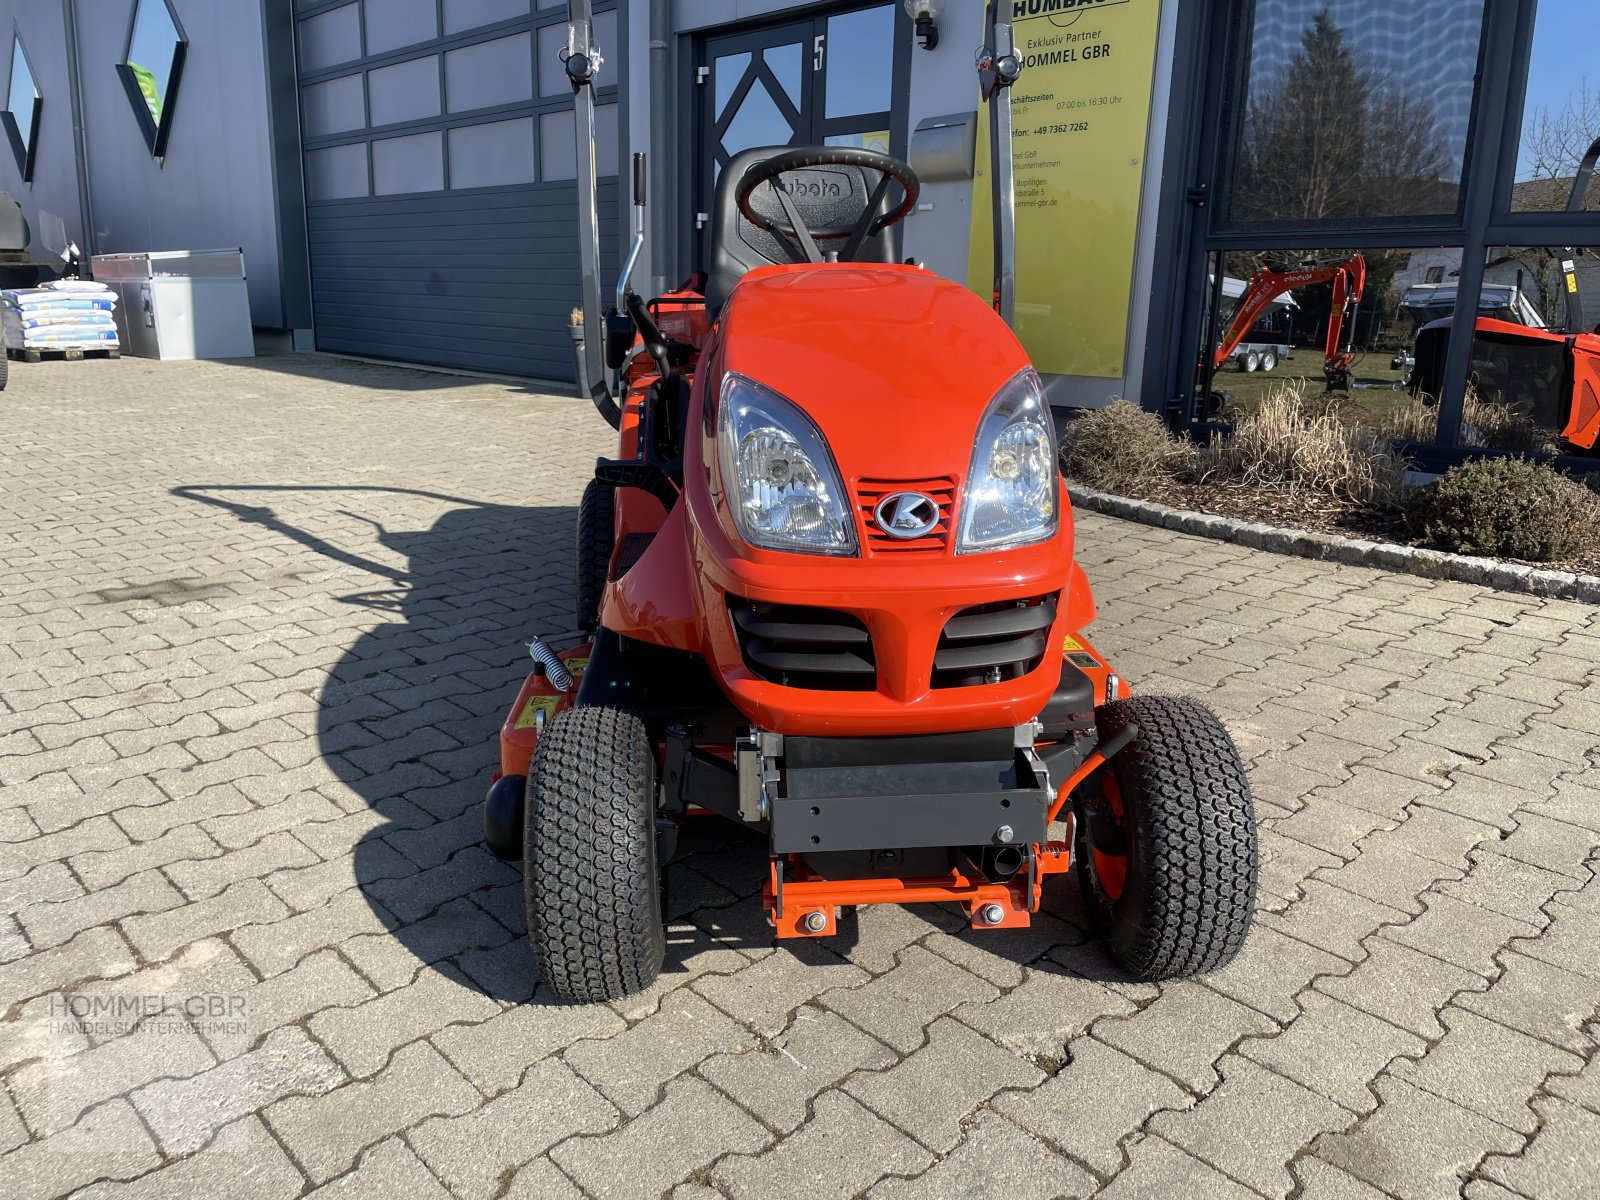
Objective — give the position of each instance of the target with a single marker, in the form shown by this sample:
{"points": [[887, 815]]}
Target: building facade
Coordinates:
{"points": [[400, 173]]}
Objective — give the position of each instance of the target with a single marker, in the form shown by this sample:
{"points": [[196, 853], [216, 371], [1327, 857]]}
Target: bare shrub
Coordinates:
{"points": [[1121, 448], [1298, 443]]}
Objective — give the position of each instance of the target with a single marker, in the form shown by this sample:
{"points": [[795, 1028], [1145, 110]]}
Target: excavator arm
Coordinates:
{"points": [[1349, 279]]}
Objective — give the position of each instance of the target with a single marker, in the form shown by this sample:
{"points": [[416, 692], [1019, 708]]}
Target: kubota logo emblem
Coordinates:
{"points": [[907, 514]]}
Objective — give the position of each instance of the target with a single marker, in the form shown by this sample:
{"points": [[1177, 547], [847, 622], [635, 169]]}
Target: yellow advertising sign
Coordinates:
{"points": [[1080, 113]]}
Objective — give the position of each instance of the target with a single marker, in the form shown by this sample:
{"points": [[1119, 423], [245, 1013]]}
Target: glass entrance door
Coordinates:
{"points": [[827, 79]]}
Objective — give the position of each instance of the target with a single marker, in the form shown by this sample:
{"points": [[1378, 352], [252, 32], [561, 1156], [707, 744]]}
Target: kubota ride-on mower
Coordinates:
{"points": [[827, 591]]}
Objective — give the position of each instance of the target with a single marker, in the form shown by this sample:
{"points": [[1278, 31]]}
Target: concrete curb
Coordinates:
{"points": [[1430, 564]]}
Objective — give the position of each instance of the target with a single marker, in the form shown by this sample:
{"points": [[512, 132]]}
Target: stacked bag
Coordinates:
{"points": [[65, 314]]}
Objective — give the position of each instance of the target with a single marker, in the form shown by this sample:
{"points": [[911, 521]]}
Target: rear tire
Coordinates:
{"points": [[1251, 361], [1269, 361], [5, 369], [590, 877], [1187, 831], [596, 528]]}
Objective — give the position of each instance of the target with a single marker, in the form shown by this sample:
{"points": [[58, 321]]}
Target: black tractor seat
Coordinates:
{"points": [[826, 197]]}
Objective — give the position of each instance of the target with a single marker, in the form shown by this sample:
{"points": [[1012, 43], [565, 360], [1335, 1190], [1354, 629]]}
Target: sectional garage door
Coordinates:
{"points": [[438, 139]]}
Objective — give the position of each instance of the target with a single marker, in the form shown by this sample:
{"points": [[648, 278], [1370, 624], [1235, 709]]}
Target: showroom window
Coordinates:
{"points": [[151, 69], [1341, 115], [24, 106], [1560, 109]]}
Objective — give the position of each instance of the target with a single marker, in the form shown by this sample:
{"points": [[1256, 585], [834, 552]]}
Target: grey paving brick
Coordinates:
{"points": [[932, 1091], [1402, 986], [765, 993], [1539, 999], [1272, 970], [1333, 919], [94, 954], [1509, 887], [236, 831], [1321, 1180], [147, 823], [1097, 1098], [1335, 1050], [362, 1037], [837, 1154], [109, 1143], [630, 1067], [995, 1158], [247, 902], [276, 946], [325, 1133], [692, 1126], [1467, 935], [102, 868], [205, 878], [777, 1079], [1281, 1116], [1415, 1144], [1040, 1015], [185, 1114], [243, 1162], [54, 1092], [53, 923], [97, 835], [1183, 1032], [387, 1169], [899, 1005], [474, 1152], [1158, 1168], [1562, 1161], [1457, 1068]]}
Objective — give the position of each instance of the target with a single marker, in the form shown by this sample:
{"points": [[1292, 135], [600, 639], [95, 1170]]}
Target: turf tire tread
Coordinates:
{"points": [[596, 529], [593, 904], [1184, 784]]}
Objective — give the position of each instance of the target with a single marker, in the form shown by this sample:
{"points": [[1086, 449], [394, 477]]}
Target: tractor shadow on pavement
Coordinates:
{"points": [[443, 594]]}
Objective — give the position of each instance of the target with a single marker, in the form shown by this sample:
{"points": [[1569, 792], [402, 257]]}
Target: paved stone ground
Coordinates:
{"points": [[257, 627]]}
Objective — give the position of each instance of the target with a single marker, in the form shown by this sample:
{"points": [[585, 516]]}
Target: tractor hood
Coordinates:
{"points": [[894, 364]]}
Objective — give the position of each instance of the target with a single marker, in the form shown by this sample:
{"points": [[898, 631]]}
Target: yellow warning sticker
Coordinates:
{"points": [[1572, 283], [529, 718], [1070, 643], [576, 664]]}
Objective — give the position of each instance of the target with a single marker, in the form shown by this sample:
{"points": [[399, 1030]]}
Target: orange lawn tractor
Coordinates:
{"points": [[826, 590], [1550, 375]]}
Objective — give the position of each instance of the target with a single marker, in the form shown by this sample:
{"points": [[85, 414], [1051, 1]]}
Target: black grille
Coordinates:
{"points": [[993, 642], [817, 648]]}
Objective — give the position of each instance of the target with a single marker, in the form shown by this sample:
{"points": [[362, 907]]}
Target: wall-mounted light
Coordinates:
{"points": [[924, 18]]}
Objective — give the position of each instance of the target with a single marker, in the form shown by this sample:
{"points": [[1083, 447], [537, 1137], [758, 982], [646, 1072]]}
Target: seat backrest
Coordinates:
{"points": [[826, 197]]}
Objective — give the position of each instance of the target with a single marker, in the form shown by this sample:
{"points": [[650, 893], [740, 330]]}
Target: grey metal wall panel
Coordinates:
{"points": [[53, 194], [464, 251], [482, 280], [215, 187]]}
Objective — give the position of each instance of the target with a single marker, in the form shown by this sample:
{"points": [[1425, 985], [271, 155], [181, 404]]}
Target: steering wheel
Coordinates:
{"points": [[829, 156]]}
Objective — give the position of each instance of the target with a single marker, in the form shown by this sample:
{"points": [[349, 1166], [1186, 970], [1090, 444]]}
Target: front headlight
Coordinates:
{"points": [[1011, 490], [780, 481]]}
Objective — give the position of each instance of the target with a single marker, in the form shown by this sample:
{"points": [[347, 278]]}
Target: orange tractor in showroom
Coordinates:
{"points": [[826, 590]]}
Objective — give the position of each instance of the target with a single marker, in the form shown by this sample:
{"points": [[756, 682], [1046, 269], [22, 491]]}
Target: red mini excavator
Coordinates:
{"points": [[1349, 279]]}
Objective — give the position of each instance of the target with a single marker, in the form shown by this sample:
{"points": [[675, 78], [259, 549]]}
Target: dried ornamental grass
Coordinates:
{"points": [[1299, 444]]}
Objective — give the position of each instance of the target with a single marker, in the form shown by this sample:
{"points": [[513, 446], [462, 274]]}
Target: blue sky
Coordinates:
{"points": [[1566, 52]]}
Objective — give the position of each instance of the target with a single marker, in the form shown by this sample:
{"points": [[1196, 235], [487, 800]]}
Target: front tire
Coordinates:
{"points": [[1252, 361], [1269, 361], [590, 877], [596, 526], [1166, 853]]}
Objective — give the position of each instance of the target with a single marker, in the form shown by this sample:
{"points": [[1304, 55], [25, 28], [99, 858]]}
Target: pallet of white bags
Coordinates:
{"points": [[61, 353]]}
